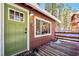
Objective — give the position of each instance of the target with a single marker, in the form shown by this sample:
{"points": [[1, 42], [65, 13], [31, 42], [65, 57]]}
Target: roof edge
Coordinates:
{"points": [[34, 6]]}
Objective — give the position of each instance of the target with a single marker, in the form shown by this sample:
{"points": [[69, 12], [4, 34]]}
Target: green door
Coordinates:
{"points": [[15, 29]]}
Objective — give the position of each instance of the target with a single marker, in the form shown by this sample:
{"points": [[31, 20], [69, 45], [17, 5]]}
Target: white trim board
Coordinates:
{"points": [[27, 26], [0, 29]]}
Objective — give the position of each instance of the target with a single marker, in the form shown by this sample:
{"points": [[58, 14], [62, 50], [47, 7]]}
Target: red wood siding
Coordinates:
{"points": [[36, 42]]}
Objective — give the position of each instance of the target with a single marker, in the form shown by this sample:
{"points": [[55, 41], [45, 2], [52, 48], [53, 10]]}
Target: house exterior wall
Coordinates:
{"points": [[36, 42]]}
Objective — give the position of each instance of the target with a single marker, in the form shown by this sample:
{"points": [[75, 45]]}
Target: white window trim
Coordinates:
{"points": [[14, 15], [35, 27]]}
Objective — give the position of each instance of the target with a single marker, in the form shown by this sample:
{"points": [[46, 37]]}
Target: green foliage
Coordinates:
{"points": [[61, 10]]}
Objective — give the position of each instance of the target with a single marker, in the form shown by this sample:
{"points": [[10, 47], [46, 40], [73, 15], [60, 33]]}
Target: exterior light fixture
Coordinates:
{"points": [[31, 13]]}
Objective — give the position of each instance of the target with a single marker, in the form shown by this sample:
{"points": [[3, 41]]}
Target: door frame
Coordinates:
{"points": [[28, 45]]}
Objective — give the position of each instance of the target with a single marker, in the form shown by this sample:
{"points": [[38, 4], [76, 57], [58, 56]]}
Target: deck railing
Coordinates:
{"points": [[70, 36]]}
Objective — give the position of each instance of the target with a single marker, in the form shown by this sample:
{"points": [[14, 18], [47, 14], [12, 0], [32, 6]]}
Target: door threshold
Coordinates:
{"points": [[17, 54]]}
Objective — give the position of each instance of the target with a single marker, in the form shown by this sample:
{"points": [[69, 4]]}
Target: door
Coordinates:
{"points": [[15, 29]]}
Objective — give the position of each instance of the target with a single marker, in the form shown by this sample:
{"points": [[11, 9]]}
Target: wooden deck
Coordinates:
{"points": [[59, 49], [64, 48], [64, 45], [67, 44]]}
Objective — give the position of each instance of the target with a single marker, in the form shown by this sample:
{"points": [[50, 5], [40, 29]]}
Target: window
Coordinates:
{"points": [[21, 16], [11, 14], [15, 15], [45, 26], [38, 27], [42, 27]]}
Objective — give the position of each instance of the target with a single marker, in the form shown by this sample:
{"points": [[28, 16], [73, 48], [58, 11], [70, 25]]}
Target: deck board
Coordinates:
{"points": [[62, 49]]}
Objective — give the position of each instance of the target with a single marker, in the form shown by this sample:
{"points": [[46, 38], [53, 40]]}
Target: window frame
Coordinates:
{"points": [[14, 15], [41, 35]]}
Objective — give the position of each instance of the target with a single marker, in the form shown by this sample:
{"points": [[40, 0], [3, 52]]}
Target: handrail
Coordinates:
{"points": [[68, 36], [68, 32], [71, 36]]}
